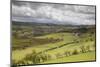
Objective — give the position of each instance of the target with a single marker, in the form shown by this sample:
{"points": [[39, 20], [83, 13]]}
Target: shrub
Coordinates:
{"points": [[37, 58], [88, 48], [67, 53], [34, 58], [31, 57], [83, 49], [45, 57], [75, 52]]}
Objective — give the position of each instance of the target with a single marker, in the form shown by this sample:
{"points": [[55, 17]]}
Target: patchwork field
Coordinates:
{"points": [[55, 47]]}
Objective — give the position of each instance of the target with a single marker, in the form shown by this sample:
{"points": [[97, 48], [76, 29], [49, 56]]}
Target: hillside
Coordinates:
{"points": [[35, 43]]}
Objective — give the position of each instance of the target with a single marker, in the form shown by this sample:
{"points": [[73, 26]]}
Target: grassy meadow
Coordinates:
{"points": [[42, 44]]}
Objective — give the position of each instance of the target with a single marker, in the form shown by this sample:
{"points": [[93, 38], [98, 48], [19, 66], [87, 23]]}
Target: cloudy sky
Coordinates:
{"points": [[53, 13]]}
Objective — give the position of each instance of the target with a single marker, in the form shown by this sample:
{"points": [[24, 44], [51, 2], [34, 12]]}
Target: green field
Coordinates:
{"points": [[64, 38], [42, 43], [19, 54], [90, 56]]}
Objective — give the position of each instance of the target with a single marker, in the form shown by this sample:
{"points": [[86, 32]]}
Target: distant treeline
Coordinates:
{"points": [[38, 29]]}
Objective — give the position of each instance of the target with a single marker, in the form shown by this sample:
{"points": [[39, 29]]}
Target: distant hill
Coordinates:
{"points": [[48, 24]]}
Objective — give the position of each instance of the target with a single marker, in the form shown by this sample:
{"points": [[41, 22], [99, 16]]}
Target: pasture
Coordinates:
{"points": [[54, 47]]}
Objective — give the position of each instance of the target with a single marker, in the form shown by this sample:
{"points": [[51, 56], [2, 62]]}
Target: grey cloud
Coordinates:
{"points": [[63, 13], [85, 9]]}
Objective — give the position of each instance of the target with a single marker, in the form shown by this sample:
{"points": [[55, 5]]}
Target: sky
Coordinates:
{"points": [[53, 13]]}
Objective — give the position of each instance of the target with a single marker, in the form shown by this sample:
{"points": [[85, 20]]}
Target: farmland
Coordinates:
{"points": [[34, 43]]}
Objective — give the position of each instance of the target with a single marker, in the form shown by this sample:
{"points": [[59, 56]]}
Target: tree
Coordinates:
{"points": [[83, 49], [75, 52]]}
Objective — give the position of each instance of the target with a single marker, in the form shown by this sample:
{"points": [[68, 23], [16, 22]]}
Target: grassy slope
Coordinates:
{"points": [[19, 54], [68, 37], [90, 56]]}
